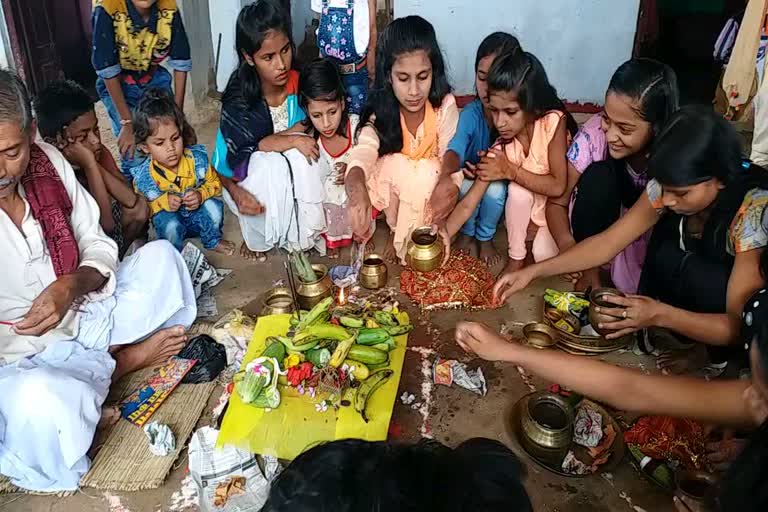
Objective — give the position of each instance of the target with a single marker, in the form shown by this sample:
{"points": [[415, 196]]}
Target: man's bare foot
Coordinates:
{"points": [[153, 351], [250, 255], [110, 415], [390, 254], [488, 253], [466, 244], [333, 254], [513, 266], [225, 247]]}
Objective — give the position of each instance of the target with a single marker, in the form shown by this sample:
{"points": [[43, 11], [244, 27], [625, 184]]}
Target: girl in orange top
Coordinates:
{"points": [[533, 131], [397, 164]]}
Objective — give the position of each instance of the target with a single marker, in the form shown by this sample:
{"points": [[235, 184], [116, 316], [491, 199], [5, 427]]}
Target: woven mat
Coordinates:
{"points": [[124, 462]]}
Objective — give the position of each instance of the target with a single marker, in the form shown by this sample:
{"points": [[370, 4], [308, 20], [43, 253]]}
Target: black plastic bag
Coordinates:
{"points": [[211, 359]]}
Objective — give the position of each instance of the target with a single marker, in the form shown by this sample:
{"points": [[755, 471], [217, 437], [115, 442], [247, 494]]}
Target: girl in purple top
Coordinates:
{"points": [[607, 164]]}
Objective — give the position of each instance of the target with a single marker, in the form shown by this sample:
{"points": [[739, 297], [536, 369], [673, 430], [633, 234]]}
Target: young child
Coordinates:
{"points": [[397, 165], [264, 156], [131, 38], [473, 135], [533, 132], [346, 36], [66, 118], [183, 190], [321, 95]]}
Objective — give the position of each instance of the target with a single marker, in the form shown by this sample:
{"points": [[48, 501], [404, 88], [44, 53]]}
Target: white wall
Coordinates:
{"points": [[580, 42]]}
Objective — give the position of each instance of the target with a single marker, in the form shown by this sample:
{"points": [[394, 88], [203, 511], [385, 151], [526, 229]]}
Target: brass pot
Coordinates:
{"points": [[597, 299], [540, 335], [277, 301], [373, 274], [695, 485], [547, 426], [309, 294], [425, 251]]}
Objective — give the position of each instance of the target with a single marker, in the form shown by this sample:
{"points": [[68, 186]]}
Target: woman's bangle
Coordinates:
{"points": [[124, 122]]}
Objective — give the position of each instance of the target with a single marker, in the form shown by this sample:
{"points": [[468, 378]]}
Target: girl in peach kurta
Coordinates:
{"points": [[396, 166], [533, 131]]}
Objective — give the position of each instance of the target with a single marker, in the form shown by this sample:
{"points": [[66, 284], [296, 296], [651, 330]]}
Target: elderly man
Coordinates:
{"points": [[71, 318]]}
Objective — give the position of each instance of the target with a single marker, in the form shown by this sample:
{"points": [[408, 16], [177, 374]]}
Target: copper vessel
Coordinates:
{"points": [[373, 274], [597, 299], [425, 251], [309, 294]]}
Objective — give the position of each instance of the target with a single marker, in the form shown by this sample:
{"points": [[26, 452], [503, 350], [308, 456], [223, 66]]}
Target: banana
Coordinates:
{"points": [[340, 354], [368, 387], [385, 318], [316, 313], [351, 321], [321, 331]]}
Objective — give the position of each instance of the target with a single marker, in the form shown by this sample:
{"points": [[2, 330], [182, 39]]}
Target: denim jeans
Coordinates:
{"points": [[205, 222], [485, 219], [161, 79], [356, 85]]}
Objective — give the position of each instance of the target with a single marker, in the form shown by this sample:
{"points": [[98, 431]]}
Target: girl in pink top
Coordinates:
{"points": [[533, 131]]}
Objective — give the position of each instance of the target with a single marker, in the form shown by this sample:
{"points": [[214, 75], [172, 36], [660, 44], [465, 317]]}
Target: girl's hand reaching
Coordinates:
{"points": [[442, 232], [481, 340], [308, 147], [511, 282]]}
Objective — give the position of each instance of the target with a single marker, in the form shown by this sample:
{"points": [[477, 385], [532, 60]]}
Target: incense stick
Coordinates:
{"points": [[292, 287]]}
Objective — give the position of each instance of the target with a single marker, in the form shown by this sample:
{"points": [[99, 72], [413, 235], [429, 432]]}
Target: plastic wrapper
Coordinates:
{"points": [[211, 359], [162, 442], [449, 371], [234, 331], [588, 428]]}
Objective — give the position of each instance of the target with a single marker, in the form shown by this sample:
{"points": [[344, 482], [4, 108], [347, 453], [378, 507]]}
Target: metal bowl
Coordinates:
{"points": [[597, 299], [277, 301], [540, 335], [695, 485], [547, 426]]}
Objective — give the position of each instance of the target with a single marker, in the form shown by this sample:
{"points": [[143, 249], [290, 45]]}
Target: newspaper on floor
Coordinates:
{"points": [[228, 479], [204, 277]]}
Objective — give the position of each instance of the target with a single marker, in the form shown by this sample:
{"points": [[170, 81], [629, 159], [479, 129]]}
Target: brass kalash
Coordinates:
{"points": [[425, 251]]}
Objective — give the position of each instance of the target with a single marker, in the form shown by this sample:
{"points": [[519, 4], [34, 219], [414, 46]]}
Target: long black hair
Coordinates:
{"points": [[403, 35], [159, 104], [653, 85], [523, 74], [320, 81], [698, 145], [253, 23], [497, 43], [355, 476]]}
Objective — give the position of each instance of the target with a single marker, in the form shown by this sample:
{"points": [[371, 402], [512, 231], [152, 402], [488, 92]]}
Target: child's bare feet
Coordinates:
{"points": [[333, 254], [250, 255], [488, 253], [466, 244], [370, 246], [225, 247], [153, 351], [513, 266], [390, 254]]}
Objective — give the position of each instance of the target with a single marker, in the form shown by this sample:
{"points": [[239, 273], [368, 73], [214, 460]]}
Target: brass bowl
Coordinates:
{"points": [[309, 294], [540, 335], [547, 426], [425, 251], [695, 485], [277, 301], [373, 274], [597, 299]]}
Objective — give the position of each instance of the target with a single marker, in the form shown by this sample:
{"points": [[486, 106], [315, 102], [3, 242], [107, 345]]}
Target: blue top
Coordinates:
{"points": [[472, 134]]}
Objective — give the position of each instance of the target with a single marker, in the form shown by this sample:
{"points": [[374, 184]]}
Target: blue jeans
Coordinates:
{"points": [[485, 219], [356, 85], [161, 79], [205, 222]]}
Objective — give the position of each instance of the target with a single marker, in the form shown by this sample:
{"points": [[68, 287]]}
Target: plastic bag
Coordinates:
{"points": [[211, 359]]}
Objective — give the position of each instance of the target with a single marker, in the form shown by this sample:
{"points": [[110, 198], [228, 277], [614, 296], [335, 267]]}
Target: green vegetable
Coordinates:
{"points": [[367, 355], [385, 318], [351, 321], [258, 384], [399, 330], [275, 349], [320, 357], [306, 344], [386, 346], [315, 314], [303, 267], [372, 336]]}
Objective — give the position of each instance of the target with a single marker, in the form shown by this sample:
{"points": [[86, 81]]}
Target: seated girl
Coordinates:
{"points": [[608, 159], [321, 95], [183, 190], [263, 155], [473, 136], [703, 257], [533, 131], [397, 166]]}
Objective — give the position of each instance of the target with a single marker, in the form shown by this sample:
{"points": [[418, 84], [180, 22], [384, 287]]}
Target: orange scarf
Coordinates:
{"points": [[427, 146]]}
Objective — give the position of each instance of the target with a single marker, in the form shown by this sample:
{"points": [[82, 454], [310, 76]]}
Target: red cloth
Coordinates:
{"points": [[463, 280], [666, 438], [52, 208]]}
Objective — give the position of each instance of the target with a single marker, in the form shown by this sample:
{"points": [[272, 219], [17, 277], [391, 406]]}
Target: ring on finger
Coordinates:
{"points": [[624, 314]]}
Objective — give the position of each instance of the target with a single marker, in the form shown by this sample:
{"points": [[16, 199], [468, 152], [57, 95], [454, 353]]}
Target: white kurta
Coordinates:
{"points": [[52, 387]]}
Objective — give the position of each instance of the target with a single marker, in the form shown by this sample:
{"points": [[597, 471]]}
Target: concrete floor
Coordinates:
{"points": [[452, 415]]}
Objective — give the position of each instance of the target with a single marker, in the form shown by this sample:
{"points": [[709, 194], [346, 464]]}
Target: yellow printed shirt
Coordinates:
{"points": [[156, 182], [126, 43]]}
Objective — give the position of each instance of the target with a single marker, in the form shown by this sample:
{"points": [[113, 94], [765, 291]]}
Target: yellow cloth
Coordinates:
{"points": [[295, 426], [182, 180], [138, 47]]}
